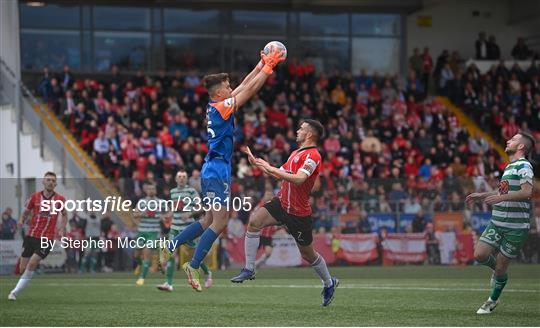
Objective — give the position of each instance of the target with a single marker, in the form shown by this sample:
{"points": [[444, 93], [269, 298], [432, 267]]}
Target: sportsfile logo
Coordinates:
{"points": [[118, 204]]}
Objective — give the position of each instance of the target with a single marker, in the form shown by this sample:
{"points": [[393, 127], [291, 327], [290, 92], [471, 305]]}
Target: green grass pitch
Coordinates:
{"points": [[367, 296]]}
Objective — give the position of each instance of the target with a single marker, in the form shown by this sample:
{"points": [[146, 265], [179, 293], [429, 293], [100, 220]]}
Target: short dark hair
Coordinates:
{"points": [[213, 80], [317, 127], [528, 141], [49, 173]]}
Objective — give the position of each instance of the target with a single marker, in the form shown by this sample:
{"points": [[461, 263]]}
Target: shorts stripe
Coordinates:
{"points": [[487, 241]]}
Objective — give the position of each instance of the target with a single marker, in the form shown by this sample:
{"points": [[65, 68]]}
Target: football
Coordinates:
{"points": [[277, 44]]}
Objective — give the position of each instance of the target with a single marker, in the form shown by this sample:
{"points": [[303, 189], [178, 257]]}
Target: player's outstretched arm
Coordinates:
{"points": [[270, 60], [479, 196], [248, 78], [294, 178]]}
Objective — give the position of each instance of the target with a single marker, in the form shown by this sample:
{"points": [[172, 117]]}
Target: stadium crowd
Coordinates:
{"points": [[391, 147]]}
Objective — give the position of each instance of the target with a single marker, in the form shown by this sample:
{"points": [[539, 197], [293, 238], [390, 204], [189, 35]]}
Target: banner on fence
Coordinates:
{"points": [[464, 248], [404, 247], [377, 221], [479, 221], [10, 250], [357, 248], [445, 221]]}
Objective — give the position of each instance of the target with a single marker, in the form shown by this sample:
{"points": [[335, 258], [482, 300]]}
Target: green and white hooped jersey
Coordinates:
{"points": [[188, 198], [150, 222], [514, 214]]}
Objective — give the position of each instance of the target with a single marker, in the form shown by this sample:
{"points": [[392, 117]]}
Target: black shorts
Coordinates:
{"points": [[265, 241], [32, 245], [300, 227]]}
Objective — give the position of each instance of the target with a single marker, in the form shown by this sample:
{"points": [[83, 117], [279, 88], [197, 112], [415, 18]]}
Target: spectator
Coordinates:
{"points": [[416, 61], [520, 50], [493, 50], [412, 205], [101, 148], [481, 46], [432, 245], [419, 222], [427, 66], [9, 225]]}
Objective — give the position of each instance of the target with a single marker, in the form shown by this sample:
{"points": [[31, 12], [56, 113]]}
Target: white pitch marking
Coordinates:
{"points": [[341, 286]]}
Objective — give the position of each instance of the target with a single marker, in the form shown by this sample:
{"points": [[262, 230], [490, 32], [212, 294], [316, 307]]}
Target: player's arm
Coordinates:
{"points": [[294, 178], [23, 218], [525, 193], [63, 223], [26, 212], [479, 196], [252, 86], [248, 78], [316, 185]]}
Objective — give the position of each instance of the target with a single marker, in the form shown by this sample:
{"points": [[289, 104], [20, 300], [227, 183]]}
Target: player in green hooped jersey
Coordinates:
{"points": [[148, 227], [181, 218], [509, 225]]}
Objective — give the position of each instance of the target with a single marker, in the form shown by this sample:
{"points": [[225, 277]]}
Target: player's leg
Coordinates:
{"points": [[260, 219], [169, 270], [486, 245], [147, 258], [208, 281], [319, 265], [27, 275], [192, 231], [511, 242], [23, 262], [138, 262]]}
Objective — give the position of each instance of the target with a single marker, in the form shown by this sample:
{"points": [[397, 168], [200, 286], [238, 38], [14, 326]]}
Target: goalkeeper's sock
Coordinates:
{"points": [[205, 243], [204, 267], [251, 244], [170, 271], [145, 268], [192, 231], [500, 282], [489, 262]]}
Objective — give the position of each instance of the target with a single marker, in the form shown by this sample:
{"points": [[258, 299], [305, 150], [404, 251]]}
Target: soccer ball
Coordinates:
{"points": [[275, 44]]}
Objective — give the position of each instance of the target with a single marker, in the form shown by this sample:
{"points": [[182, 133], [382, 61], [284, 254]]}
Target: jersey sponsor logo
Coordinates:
{"points": [[228, 102], [503, 187], [296, 159]]}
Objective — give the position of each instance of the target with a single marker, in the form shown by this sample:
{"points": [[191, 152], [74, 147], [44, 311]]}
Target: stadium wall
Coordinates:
{"points": [[9, 35], [454, 27]]}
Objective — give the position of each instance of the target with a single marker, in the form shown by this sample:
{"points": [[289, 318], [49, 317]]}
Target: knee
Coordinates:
{"points": [[480, 256], [308, 254], [254, 225]]}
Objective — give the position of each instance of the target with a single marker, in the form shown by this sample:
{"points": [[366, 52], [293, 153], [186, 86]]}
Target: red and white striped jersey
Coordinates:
{"points": [[43, 223], [295, 198]]}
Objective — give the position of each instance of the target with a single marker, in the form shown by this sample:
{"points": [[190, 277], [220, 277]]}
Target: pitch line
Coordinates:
{"points": [[341, 286]]}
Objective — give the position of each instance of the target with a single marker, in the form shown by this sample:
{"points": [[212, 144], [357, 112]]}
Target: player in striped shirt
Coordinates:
{"points": [[291, 208], [184, 197], [509, 225], [149, 225], [43, 225]]}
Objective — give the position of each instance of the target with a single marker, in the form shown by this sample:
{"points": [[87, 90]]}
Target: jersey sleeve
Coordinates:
{"points": [[29, 205], [526, 174], [312, 161], [226, 107]]}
